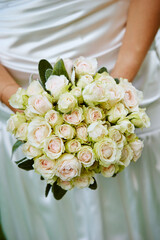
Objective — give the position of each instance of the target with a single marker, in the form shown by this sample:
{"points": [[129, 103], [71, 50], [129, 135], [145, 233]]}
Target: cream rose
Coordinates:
{"points": [[14, 121], [31, 151], [34, 88], [68, 66], [73, 146], [86, 156], [84, 81], [81, 132], [106, 151], [64, 131], [84, 180], [139, 119], [39, 104], [125, 126], [75, 117], [53, 118], [66, 185], [85, 66], [97, 131], [117, 136], [53, 147], [45, 166], [93, 114], [66, 102], [95, 93], [22, 131], [117, 112], [68, 167], [57, 85], [19, 99], [38, 131], [108, 171], [137, 147], [126, 156]]}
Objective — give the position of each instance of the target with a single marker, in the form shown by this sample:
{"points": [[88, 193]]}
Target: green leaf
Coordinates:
{"points": [[16, 146], [41, 178], [48, 187], [117, 80], [42, 67], [58, 192], [59, 69], [25, 164], [93, 186], [48, 73], [103, 69]]}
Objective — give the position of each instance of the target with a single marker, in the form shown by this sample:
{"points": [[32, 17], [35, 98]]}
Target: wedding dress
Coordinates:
{"points": [[125, 207]]}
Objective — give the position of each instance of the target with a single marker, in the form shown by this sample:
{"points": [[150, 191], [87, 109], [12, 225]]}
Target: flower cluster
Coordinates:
{"points": [[77, 123]]}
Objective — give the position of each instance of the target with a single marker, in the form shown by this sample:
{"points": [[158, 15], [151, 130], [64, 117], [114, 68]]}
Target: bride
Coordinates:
{"points": [[119, 34]]}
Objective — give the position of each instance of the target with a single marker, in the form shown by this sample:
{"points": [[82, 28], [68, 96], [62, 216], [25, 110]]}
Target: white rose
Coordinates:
{"points": [[64, 131], [53, 118], [95, 93], [85, 66], [115, 95], [45, 166], [131, 96], [34, 88], [68, 66], [108, 171], [104, 78], [66, 185], [77, 93], [139, 119], [31, 151], [68, 167], [53, 147], [38, 131], [19, 99], [22, 131], [84, 81], [84, 180], [75, 117], [66, 102], [125, 126], [39, 104], [117, 112], [73, 146], [117, 136], [86, 156], [81, 132], [93, 114], [126, 156], [106, 151], [14, 121], [57, 85], [137, 147], [97, 131]]}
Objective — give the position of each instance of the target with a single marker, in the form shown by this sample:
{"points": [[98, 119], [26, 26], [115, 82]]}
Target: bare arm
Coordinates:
{"points": [[7, 86], [142, 24]]}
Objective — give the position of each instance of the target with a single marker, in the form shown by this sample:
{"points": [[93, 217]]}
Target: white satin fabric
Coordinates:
{"points": [[125, 207]]}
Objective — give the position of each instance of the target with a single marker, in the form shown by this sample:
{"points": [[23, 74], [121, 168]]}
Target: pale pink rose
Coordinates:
{"points": [[68, 167], [38, 131], [75, 117], [86, 156], [108, 171], [68, 66], [44, 166], [39, 104], [64, 131], [82, 133], [53, 147], [85, 66], [93, 114], [66, 185]]}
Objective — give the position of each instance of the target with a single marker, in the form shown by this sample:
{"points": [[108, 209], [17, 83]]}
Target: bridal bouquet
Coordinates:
{"points": [[76, 122]]}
